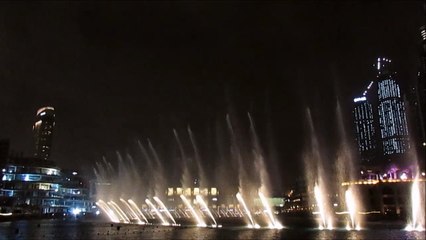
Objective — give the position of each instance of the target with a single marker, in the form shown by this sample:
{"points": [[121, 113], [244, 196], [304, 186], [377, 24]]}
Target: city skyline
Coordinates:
{"points": [[116, 84]]}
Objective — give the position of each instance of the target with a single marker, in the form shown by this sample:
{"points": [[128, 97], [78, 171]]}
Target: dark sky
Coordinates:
{"points": [[121, 71]]}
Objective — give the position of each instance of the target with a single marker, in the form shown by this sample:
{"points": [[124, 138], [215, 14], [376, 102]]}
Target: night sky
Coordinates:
{"points": [[117, 72]]}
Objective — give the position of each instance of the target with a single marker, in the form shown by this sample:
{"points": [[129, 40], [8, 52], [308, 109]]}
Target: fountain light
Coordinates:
{"points": [[204, 205], [417, 222], [351, 207], [132, 211], [241, 200], [119, 211], [109, 212], [165, 209], [164, 221], [272, 223], [326, 221], [200, 222], [132, 203]]}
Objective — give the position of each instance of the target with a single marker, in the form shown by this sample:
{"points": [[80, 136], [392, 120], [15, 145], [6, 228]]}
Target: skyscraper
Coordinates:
{"points": [[380, 119], [43, 132], [364, 127], [392, 116]]}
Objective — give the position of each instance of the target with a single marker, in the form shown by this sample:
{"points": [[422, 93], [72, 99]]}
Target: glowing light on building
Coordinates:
{"points": [[43, 131], [360, 99]]}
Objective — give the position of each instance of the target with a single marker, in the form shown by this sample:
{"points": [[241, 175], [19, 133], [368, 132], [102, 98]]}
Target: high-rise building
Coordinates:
{"points": [[364, 127], [380, 119], [43, 132], [392, 116]]}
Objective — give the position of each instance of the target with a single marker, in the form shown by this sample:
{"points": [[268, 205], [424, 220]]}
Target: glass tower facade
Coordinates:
{"points": [[364, 126], [391, 109], [380, 120], [43, 132]]}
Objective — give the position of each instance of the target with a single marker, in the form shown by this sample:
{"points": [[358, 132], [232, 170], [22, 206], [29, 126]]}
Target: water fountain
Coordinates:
{"points": [[325, 215], [131, 202], [417, 221], [273, 223], [159, 202], [119, 211], [345, 168], [352, 210], [251, 179], [164, 221], [135, 215], [247, 211], [112, 216], [204, 205], [200, 222]]}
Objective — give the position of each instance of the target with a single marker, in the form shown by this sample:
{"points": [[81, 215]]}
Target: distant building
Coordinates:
{"points": [[364, 122], [392, 116], [380, 120], [43, 132], [210, 195], [37, 186], [387, 198]]}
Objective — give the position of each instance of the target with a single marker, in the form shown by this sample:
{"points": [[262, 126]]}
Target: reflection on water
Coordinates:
{"points": [[56, 229]]}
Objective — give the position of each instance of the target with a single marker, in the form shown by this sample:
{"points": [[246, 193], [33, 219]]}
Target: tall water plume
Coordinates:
{"points": [[347, 171], [236, 154], [416, 221], [265, 185], [315, 177], [202, 177], [186, 178]]}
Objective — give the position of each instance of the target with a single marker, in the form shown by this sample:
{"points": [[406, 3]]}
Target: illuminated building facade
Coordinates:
{"points": [[37, 186], [364, 127], [43, 132], [210, 195], [380, 120], [392, 117], [389, 198]]}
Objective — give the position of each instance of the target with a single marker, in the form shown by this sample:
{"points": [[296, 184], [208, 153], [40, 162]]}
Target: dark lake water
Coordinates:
{"points": [[61, 229]]}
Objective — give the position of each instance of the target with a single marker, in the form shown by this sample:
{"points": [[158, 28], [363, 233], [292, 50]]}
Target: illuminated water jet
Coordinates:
{"points": [[201, 201], [326, 221], [136, 217], [165, 209], [109, 212], [164, 221], [242, 202], [119, 211], [137, 209], [417, 222], [273, 223], [352, 209], [200, 222]]}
